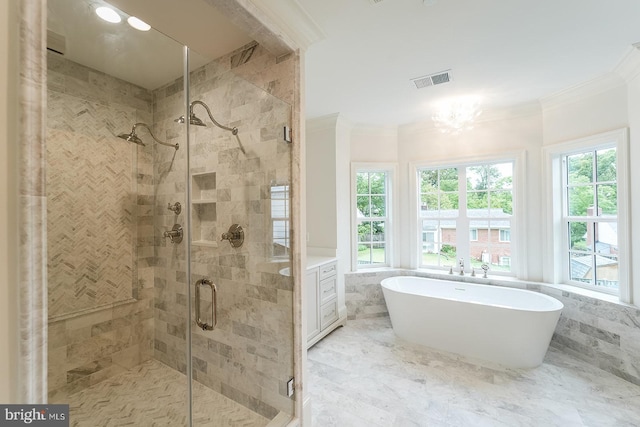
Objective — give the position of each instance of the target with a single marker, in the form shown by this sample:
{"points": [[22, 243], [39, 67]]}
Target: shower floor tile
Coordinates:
{"points": [[152, 394], [362, 375]]}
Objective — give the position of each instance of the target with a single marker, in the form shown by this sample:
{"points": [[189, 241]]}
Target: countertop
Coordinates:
{"points": [[314, 261]]}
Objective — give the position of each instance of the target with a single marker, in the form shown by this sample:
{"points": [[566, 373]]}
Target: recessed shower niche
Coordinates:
{"points": [[203, 201]]}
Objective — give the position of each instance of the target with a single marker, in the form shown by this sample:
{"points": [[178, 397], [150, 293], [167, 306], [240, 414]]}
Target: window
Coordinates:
{"points": [[589, 215], [372, 217], [280, 220], [467, 212]]}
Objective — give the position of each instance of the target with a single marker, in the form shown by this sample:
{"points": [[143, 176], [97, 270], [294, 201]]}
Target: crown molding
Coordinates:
{"points": [[293, 20], [582, 91], [629, 67]]}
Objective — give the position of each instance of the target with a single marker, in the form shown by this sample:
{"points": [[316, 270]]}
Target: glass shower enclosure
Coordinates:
{"points": [[168, 224]]}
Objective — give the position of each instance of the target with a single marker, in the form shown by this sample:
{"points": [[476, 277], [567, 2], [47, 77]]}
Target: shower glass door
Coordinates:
{"points": [[242, 293]]}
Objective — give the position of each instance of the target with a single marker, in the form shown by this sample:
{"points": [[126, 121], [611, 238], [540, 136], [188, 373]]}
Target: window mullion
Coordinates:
{"points": [[462, 223]]}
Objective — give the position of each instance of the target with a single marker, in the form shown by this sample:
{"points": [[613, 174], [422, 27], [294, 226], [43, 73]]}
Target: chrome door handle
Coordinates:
{"points": [[214, 302]]}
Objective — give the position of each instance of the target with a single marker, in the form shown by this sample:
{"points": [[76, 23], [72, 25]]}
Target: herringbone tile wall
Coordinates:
{"points": [[99, 228]]}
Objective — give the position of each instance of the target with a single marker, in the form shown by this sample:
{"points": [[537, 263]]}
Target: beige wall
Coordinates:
{"points": [[8, 198]]}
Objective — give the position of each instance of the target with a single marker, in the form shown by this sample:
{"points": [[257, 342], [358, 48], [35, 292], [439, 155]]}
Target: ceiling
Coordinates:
{"points": [[508, 52], [148, 59]]}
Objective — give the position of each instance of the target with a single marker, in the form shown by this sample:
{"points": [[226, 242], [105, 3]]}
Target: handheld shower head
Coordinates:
{"points": [[132, 137]]}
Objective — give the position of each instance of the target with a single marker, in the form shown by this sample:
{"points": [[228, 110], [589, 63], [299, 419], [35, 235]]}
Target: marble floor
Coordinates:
{"points": [[152, 394], [362, 375]]}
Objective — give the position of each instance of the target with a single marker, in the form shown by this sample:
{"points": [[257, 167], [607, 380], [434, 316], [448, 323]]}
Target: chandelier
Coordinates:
{"points": [[456, 116]]}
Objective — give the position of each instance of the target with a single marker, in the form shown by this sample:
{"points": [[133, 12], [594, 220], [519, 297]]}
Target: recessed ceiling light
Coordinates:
{"points": [[108, 14], [138, 24]]}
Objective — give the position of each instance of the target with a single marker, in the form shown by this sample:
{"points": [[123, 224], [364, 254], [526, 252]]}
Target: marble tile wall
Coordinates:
{"points": [[32, 204], [604, 334], [99, 228], [364, 297], [249, 356], [601, 333]]}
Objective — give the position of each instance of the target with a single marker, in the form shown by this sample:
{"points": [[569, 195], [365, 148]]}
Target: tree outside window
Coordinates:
{"points": [[472, 231], [591, 210], [372, 220]]}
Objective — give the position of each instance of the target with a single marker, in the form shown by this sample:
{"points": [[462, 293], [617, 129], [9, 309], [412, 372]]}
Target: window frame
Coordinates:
{"points": [[391, 170], [518, 250], [556, 265]]}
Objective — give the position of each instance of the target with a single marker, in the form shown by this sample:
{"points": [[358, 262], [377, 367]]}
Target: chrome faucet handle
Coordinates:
{"points": [[175, 234], [462, 266], [176, 207], [235, 235]]}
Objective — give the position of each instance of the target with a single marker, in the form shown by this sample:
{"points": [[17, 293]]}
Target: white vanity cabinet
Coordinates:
{"points": [[322, 301]]}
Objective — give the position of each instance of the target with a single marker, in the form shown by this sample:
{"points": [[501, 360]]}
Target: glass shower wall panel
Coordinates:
{"points": [[241, 180]]}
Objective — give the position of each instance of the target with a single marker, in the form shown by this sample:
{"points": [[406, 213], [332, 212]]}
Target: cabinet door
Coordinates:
{"points": [[312, 284]]}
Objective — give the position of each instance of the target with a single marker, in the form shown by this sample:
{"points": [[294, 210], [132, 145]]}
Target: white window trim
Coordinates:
{"points": [[555, 269], [518, 221], [392, 170]]}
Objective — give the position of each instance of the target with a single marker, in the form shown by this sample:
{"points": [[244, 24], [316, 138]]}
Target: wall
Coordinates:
{"points": [[634, 159], [8, 195], [249, 356], [322, 182], [99, 194], [328, 148]]}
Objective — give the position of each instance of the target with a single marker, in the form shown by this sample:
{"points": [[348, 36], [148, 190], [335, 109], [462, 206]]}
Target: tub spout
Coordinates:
{"points": [[461, 267]]}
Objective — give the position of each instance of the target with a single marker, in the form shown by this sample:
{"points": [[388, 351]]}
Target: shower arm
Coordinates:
{"points": [[176, 146], [233, 130]]}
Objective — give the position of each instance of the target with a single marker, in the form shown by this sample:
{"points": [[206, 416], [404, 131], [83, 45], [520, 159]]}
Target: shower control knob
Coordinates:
{"points": [[235, 235], [175, 234]]}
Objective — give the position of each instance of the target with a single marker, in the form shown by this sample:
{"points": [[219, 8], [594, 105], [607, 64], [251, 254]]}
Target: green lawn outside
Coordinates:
{"points": [[427, 259]]}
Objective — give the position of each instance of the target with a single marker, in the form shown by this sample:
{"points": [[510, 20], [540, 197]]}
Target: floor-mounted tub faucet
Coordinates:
{"points": [[461, 267]]}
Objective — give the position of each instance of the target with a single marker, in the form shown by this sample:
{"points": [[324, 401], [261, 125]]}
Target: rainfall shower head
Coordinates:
{"points": [[196, 121], [133, 137]]}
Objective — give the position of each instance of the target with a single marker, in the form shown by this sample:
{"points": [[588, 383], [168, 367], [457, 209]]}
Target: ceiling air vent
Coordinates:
{"points": [[56, 42], [432, 80]]}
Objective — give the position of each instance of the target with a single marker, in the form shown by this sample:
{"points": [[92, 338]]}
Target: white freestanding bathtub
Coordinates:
{"points": [[511, 327]]}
